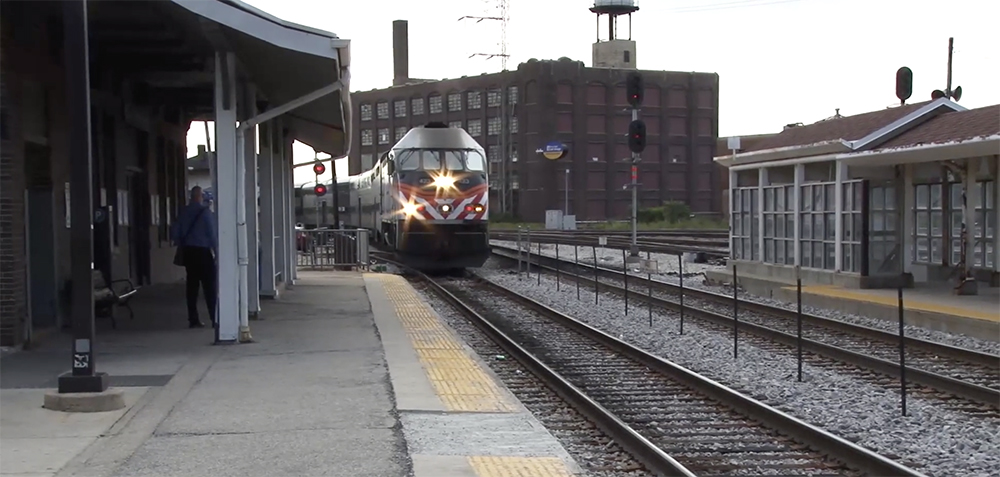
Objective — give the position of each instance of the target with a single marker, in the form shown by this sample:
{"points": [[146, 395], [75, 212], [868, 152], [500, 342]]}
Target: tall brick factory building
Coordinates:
{"points": [[514, 114]]}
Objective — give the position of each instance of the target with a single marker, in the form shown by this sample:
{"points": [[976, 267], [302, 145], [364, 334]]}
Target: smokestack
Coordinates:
{"points": [[400, 52]]}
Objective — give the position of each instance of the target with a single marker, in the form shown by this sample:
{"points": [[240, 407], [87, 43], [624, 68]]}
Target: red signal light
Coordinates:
{"points": [[320, 190], [319, 168]]}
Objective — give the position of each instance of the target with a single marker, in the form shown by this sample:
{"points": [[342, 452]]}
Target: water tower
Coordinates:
{"points": [[614, 52]]}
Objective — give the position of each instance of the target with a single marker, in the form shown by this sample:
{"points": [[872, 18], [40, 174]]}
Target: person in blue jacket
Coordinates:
{"points": [[194, 231]]}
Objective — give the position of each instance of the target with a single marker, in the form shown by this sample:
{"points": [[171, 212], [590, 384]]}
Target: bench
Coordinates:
{"points": [[106, 297]]}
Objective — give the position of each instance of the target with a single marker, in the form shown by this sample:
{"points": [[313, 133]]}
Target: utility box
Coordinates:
{"points": [[569, 222], [553, 220]]}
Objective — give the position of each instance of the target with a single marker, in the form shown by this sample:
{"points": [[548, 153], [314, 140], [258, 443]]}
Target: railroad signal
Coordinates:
{"points": [[633, 89], [637, 136], [320, 190], [319, 168], [904, 84]]}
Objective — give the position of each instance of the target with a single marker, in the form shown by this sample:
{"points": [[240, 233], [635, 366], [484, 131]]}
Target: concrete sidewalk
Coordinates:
{"points": [[310, 397]]}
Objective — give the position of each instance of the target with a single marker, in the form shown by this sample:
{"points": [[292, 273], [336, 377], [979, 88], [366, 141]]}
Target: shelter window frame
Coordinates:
{"points": [[744, 221], [928, 224], [434, 103], [983, 229], [851, 225], [779, 224], [817, 226], [382, 109]]}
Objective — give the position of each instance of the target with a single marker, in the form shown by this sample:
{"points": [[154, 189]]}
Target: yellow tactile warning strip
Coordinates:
{"points": [[909, 304], [501, 466], [458, 380]]}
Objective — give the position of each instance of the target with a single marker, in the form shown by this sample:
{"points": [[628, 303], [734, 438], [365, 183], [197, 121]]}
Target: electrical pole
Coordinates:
{"points": [[636, 143]]}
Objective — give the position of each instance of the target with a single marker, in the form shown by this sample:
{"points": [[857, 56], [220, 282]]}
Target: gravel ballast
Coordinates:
{"points": [[668, 268], [931, 439]]}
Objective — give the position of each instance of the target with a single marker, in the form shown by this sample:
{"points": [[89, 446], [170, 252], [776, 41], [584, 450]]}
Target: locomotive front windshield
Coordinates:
{"points": [[459, 160]]}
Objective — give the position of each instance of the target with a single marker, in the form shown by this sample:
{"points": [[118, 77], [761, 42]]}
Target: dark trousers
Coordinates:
{"points": [[200, 266]]}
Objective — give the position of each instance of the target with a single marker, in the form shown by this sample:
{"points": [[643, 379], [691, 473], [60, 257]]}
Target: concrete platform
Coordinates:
{"points": [[933, 308], [351, 375], [458, 417]]}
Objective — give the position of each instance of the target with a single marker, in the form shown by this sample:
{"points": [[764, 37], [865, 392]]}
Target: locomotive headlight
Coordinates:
{"points": [[478, 208], [446, 208], [411, 209], [444, 182]]}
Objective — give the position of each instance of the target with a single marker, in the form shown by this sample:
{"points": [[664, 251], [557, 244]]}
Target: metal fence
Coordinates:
{"points": [[329, 249]]}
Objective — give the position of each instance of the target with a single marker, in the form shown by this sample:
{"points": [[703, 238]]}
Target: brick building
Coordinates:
{"points": [[583, 108]]}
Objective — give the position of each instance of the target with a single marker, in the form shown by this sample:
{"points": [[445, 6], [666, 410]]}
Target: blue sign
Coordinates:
{"points": [[554, 150]]}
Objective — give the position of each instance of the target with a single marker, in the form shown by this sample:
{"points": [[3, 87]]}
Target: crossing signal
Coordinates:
{"points": [[319, 168], [633, 89], [637, 136], [320, 190]]}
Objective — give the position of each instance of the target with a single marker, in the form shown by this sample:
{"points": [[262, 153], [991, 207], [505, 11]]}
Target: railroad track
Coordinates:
{"points": [[674, 421], [965, 380], [711, 246]]}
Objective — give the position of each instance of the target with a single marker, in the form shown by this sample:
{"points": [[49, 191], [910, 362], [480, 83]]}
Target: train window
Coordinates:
{"points": [[453, 160], [475, 161], [432, 161], [409, 161]]}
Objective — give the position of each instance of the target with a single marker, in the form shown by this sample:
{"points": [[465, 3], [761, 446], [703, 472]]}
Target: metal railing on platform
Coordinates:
{"points": [[332, 249]]}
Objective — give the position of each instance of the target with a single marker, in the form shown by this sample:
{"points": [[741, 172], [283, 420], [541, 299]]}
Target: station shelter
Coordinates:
{"points": [[97, 99], [902, 197]]}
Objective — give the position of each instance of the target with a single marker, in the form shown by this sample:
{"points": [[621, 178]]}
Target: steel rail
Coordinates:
{"points": [[837, 447], [641, 448], [963, 389]]}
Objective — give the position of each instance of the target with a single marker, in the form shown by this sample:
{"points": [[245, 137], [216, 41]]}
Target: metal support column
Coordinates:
{"points": [[226, 197], [268, 188], [84, 376], [249, 271], [292, 261]]}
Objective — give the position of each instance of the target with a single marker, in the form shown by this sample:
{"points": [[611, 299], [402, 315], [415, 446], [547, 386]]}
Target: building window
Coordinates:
{"points": [[513, 153], [455, 124], [512, 94], [744, 223], [493, 126], [383, 110], [513, 125], [435, 104], [514, 184], [493, 153], [986, 217], [366, 137], [850, 233], [383, 135], [400, 132], [455, 102], [628, 56], [475, 128], [399, 108], [417, 106], [928, 224], [779, 224], [493, 98], [474, 99], [366, 112], [817, 222]]}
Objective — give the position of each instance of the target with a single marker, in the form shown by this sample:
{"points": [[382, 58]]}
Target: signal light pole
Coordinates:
{"points": [[320, 190], [637, 143]]}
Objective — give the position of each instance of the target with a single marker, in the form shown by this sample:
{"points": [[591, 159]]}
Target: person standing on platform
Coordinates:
{"points": [[194, 235]]}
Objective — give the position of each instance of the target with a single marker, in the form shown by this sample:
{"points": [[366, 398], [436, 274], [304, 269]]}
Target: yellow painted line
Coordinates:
{"points": [[504, 466], [457, 379], [909, 304]]}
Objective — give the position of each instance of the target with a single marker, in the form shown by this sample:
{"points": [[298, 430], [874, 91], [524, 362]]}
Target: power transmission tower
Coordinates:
{"points": [[506, 145]]}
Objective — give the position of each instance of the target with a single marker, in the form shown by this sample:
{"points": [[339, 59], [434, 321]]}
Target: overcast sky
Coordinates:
{"points": [[779, 61]]}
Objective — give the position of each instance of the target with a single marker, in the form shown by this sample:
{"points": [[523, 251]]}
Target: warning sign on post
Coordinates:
{"points": [[602, 240]]}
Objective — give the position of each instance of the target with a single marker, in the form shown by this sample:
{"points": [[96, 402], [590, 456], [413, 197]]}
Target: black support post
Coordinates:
{"points": [[84, 376]]}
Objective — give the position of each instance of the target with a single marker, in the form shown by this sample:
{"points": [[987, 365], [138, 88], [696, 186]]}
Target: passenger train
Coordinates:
{"points": [[426, 199]]}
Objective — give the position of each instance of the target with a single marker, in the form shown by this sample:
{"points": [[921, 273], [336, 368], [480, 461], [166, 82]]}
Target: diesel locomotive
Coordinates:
{"points": [[426, 199]]}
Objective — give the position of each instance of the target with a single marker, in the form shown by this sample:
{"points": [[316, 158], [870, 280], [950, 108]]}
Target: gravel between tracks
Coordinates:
{"points": [[935, 441], [668, 268]]}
